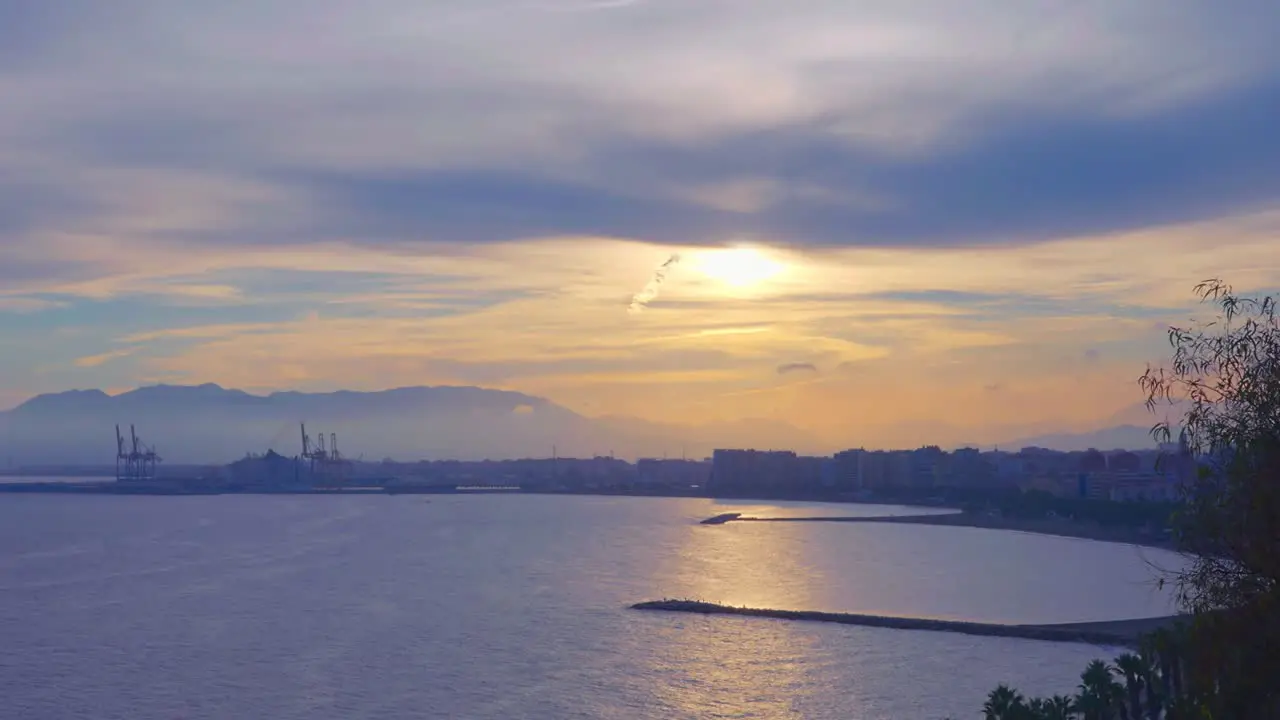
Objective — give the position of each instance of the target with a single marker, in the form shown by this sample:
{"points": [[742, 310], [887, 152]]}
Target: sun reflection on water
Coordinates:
{"points": [[734, 668], [760, 665]]}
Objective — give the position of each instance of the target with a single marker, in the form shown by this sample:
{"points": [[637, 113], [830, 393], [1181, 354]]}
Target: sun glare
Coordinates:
{"points": [[738, 267]]}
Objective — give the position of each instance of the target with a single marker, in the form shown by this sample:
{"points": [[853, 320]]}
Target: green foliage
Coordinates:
{"points": [[1038, 504], [1223, 663], [1227, 374], [1148, 685], [1004, 703]]}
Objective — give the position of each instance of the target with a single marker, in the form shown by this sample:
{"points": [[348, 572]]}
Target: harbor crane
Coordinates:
{"points": [[325, 463], [135, 461]]}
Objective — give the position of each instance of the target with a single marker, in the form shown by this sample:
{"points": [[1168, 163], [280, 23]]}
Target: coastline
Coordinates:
{"points": [[1049, 526], [1116, 633], [1059, 527]]}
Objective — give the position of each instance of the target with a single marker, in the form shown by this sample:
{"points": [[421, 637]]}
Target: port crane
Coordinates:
{"points": [[325, 463], [135, 460]]}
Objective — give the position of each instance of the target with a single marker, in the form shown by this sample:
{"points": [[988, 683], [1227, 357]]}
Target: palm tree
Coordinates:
{"points": [[1134, 670], [1172, 665], [1158, 646], [1151, 680], [1058, 707], [1004, 703], [1098, 692]]}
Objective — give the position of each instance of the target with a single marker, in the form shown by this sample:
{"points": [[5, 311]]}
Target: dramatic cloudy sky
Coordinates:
{"points": [[962, 216]]}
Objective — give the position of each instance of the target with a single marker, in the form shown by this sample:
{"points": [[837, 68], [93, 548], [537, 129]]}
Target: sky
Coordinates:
{"points": [[889, 220]]}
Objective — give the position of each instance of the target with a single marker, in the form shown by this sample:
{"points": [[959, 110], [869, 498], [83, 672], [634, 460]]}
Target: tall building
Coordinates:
{"points": [[874, 469], [927, 465], [1093, 461], [901, 468], [848, 470]]}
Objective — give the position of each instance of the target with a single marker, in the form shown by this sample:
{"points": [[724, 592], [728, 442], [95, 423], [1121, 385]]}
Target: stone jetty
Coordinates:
{"points": [[1123, 633]]}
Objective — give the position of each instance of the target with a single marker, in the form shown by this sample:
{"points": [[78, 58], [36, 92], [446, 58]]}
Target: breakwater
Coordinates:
{"points": [[1043, 526], [1111, 634]]}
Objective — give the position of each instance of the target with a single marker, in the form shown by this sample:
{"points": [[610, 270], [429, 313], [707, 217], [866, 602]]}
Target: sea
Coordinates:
{"points": [[516, 606]]}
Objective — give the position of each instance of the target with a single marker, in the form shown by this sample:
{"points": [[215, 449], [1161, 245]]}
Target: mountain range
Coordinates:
{"points": [[210, 424], [1129, 437]]}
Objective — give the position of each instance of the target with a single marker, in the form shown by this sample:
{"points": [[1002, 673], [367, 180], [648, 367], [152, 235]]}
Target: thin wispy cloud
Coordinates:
{"points": [[27, 304], [650, 290], [93, 361], [802, 368]]}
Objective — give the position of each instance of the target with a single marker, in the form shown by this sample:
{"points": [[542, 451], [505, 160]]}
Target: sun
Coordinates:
{"points": [[741, 267]]}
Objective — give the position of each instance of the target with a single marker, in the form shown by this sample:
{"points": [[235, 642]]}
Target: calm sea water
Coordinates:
{"points": [[145, 608]]}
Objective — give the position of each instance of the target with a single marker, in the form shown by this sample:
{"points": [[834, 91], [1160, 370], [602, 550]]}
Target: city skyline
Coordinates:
{"points": [[904, 222]]}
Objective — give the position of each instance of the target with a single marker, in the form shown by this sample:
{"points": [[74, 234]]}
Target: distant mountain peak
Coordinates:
{"points": [[63, 399], [1120, 437], [166, 387]]}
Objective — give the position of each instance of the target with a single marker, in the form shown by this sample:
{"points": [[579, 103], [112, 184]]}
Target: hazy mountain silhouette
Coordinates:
{"points": [[1129, 428], [1128, 437], [210, 424]]}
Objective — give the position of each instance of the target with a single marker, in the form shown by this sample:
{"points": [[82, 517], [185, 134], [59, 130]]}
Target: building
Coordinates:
{"points": [[1009, 468], [1177, 462], [672, 473], [927, 466], [1128, 486], [271, 470], [596, 472], [1093, 461], [847, 470], [877, 469], [1124, 461], [737, 472], [829, 474], [1051, 484], [1143, 487], [1038, 461], [810, 474], [758, 472]]}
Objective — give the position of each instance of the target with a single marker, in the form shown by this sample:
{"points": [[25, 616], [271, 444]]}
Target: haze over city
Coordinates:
{"points": [[881, 223]]}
